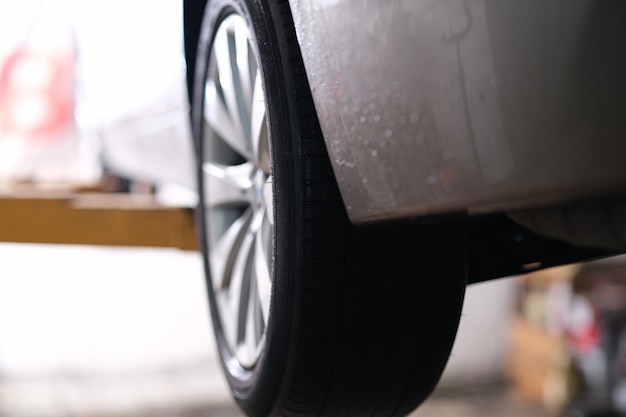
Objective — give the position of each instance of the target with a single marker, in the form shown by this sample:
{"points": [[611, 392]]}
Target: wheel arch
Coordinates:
{"points": [[497, 249]]}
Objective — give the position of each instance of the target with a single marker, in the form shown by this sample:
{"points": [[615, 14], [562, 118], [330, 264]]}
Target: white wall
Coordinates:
{"points": [[102, 330], [480, 348]]}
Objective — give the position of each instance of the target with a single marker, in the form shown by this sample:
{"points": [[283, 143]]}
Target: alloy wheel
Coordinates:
{"points": [[238, 190]]}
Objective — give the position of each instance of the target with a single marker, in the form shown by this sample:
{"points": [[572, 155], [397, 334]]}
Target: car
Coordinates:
{"points": [[359, 163]]}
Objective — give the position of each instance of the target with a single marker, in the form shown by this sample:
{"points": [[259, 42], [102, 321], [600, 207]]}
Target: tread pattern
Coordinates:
{"points": [[379, 306]]}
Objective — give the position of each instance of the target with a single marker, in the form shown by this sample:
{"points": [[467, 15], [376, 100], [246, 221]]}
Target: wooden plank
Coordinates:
{"points": [[103, 219], [539, 365]]}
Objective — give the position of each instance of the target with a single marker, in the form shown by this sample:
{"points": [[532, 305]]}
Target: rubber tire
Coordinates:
{"points": [[362, 318]]}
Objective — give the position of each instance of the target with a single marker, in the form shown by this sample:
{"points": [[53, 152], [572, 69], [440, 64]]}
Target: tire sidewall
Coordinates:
{"points": [[257, 389]]}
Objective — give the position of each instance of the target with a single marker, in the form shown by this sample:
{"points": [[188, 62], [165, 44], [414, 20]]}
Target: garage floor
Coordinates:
{"points": [[102, 331], [483, 403], [486, 403]]}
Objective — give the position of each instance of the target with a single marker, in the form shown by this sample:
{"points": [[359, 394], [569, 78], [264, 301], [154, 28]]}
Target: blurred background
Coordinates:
{"points": [[102, 299]]}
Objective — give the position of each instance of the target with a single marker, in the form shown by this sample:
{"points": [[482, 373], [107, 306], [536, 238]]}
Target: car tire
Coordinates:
{"points": [[353, 320]]}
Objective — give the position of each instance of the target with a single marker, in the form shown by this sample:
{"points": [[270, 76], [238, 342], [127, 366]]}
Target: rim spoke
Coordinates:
{"points": [[244, 62], [259, 319], [228, 74], [262, 254], [260, 140], [227, 185], [250, 340], [268, 199], [225, 250], [229, 326], [242, 271], [239, 289], [228, 302], [219, 119]]}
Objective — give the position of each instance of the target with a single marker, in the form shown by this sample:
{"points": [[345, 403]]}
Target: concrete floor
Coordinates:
{"points": [[487, 403], [97, 331], [481, 403]]}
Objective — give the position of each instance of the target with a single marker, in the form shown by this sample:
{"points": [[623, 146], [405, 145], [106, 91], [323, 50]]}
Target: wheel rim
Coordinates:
{"points": [[238, 191]]}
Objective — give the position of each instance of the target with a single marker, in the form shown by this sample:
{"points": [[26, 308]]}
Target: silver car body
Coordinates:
{"points": [[433, 106], [134, 102]]}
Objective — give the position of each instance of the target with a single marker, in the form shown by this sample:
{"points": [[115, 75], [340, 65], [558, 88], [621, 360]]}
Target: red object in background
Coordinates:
{"points": [[584, 329], [586, 339], [36, 94]]}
